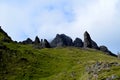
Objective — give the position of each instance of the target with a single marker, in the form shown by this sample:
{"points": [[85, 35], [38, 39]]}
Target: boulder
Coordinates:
{"points": [[78, 43], [61, 40]]}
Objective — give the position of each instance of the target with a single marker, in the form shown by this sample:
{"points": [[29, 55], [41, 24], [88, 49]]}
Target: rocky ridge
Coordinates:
{"points": [[61, 40]]}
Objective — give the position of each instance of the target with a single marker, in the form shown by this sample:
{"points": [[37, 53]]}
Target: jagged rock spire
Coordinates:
{"points": [[87, 40], [45, 44], [37, 40]]}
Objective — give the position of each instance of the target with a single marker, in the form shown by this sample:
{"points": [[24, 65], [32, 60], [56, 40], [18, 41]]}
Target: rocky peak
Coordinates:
{"points": [[88, 42], [27, 41], [37, 40], [37, 43], [61, 40], [45, 44], [78, 43]]}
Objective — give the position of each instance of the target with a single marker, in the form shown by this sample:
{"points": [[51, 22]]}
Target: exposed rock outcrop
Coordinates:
{"points": [[105, 49], [78, 43], [88, 42], [45, 44], [61, 40], [41, 44], [37, 42], [94, 45], [27, 41]]}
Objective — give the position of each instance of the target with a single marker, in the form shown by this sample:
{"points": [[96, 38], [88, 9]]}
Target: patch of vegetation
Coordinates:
{"points": [[23, 62]]}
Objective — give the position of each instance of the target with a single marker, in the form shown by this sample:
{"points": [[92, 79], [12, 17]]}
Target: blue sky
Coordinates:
{"points": [[45, 18]]}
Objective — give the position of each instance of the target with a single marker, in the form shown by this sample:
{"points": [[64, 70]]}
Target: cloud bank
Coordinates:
{"points": [[29, 18]]}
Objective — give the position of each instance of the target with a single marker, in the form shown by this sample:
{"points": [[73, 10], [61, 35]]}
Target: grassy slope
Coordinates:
{"points": [[22, 62]]}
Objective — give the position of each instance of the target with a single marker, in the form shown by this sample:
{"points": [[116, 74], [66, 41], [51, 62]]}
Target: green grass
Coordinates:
{"points": [[4, 37], [23, 62]]}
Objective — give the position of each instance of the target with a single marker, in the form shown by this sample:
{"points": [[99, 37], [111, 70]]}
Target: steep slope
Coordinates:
{"points": [[23, 62], [4, 36]]}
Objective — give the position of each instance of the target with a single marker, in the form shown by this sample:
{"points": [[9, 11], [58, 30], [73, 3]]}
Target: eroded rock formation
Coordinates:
{"points": [[78, 43], [61, 40], [88, 42]]}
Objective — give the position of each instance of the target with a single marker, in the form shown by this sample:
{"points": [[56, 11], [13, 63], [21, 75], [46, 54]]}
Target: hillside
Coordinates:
{"points": [[22, 62], [25, 62]]}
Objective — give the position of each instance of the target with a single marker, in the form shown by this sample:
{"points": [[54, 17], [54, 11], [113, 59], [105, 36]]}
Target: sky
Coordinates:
{"points": [[46, 18]]}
